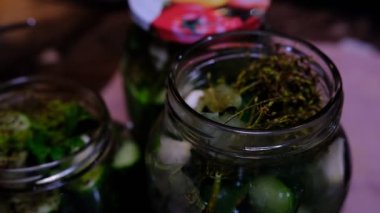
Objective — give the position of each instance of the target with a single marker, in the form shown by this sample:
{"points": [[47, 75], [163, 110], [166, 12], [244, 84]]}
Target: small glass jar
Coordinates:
{"points": [[39, 175], [160, 30], [199, 165]]}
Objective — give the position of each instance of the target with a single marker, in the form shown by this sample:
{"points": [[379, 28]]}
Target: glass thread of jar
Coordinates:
{"points": [[219, 158]]}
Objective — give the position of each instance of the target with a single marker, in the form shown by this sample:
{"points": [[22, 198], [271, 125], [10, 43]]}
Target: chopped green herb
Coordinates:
{"points": [[45, 132]]}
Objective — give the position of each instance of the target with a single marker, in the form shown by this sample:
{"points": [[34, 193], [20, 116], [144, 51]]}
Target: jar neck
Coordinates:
{"points": [[56, 173], [220, 139]]}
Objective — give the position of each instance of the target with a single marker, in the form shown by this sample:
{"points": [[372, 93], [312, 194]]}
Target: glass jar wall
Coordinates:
{"points": [[59, 151], [203, 161]]}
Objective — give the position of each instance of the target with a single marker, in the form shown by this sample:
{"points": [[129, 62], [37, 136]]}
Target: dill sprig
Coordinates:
{"points": [[276, 91]]}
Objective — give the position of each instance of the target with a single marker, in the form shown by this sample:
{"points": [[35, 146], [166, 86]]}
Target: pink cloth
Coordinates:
{"points": [[113, 95], [359, 66]]}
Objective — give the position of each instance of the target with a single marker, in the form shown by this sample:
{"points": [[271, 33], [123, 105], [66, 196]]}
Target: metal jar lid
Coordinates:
{"points": [[187, 21]]}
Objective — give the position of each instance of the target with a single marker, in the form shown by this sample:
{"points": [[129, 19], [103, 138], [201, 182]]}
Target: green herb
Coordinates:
{"points": [[214, 193], [46, 131], [275, 91]]}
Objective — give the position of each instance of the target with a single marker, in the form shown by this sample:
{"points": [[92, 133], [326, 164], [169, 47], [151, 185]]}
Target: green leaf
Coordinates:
{"points": [[37, 147], [74, 113], [57, 153], [73, 144]]}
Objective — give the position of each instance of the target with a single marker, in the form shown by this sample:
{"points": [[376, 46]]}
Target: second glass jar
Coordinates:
{"points": [[60, 152]]}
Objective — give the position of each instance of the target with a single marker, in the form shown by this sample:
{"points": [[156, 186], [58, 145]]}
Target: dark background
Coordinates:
{"points": [[84, 40]]}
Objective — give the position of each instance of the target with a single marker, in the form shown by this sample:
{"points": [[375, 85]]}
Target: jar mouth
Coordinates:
{"points": [[293, 44], [54, 87]]}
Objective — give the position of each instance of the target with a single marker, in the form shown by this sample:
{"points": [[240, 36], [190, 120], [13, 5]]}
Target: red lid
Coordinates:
{"points": [[186, 21]]}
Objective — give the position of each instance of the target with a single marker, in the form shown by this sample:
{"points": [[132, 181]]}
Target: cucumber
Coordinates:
{"points": [[268, 194], [127, 155], [13, 121], [89, 180]]}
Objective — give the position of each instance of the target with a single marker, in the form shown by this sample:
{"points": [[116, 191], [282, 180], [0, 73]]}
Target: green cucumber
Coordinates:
{"points": [[269, 195], [13, 121], [127, 155], [90, 179]]}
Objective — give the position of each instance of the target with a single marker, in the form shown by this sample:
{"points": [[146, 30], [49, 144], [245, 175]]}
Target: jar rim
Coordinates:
{"points": [[23, 81], [336, 95]]}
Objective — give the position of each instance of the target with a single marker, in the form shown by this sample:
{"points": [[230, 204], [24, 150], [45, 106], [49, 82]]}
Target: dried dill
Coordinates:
{"points": [[276, 91]]}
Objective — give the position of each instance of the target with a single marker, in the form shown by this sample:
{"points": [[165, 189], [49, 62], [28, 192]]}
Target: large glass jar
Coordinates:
{"points": [[59, 151], [162, 29], [197, 163]]}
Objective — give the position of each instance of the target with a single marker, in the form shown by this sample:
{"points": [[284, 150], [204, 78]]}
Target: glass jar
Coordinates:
{"points": [[60, 152], [198, 164], [162, 29]]}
